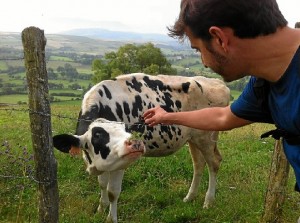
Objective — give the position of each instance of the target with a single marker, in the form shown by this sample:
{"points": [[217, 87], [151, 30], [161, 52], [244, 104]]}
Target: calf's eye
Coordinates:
{"points": [[97, 135]]}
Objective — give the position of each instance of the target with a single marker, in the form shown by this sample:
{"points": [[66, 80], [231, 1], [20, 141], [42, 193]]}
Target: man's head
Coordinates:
{"points": [[215, 28], [247, 18]]}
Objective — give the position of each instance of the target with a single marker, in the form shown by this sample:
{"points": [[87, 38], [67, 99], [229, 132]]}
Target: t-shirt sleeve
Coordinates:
{"points": [[247, 106]]}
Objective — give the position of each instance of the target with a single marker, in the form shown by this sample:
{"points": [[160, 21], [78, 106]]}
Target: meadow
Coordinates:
{"points": [[153, 188]]}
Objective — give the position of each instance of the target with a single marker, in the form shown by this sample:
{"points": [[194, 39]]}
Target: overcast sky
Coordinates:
{"points": [[146, 16]]}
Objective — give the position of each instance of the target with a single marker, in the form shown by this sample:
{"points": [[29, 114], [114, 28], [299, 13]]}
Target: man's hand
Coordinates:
{"points": [[155, 116]]}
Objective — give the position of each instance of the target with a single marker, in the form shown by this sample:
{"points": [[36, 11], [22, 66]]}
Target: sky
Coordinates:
{"points": [[144, 16]]}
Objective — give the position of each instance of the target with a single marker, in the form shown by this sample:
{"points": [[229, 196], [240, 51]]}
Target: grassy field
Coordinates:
{"points": [[59, 58], [153, 188]]}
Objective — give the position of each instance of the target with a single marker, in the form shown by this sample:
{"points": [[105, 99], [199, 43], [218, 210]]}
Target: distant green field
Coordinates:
{"points": [[4, 77], [85, 70], [15, 63], [66, 91], [60, 58], [186, 61], [13, 99], [16, 99], [66, 83], [3, 65], [55, 64]]}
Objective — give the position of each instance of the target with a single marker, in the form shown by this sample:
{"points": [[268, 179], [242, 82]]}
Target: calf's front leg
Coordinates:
{"points": [[110, 184], [103, 201]]}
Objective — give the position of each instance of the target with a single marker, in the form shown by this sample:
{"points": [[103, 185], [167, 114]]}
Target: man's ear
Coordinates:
{"points": [[65, 142], [219, 37]]}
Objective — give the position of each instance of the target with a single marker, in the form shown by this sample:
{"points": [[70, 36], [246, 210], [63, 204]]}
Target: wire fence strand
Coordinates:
{"points": [[31, 175]]}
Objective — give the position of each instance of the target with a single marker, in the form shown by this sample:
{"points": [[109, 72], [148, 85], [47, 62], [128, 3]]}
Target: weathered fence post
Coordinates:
{"points": [[278, 178], [34, 43]]}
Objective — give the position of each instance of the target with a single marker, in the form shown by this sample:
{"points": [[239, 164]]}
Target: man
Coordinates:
{"points": [[237, 38]]}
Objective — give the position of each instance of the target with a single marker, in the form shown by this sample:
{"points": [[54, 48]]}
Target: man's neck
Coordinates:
{"points": [[269, 56]]}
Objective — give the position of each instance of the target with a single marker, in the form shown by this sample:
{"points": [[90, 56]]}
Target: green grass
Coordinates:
{"points": [[13, 99], [153, 188], [4, 77], [3, 65], [235, 94], [85, 70], [56, 64], [60, 58]]}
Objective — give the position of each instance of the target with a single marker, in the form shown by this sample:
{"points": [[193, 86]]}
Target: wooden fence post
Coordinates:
{"points": [[34, 43], [278, 178]]}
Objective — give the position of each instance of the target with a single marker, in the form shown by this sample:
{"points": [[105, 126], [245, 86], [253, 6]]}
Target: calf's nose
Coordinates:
{"points": [[135, 144]]}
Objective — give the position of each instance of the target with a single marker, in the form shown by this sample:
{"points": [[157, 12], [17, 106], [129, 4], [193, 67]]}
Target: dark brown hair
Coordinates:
{"points": [[248, 18]]}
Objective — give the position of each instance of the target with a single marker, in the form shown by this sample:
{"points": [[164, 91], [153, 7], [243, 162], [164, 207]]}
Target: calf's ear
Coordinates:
{"points": [[65, 142]]}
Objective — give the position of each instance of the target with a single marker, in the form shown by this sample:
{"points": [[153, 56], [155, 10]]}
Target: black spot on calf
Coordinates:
{"points": [[119, 111], [99, 140], [178, 104], [126, 110], [168, 100], [135, 85], [106, 112], [107, 92], [85, 120], [156, 85], [200, 86], [185, 87], [100, 93], [137, 106]]}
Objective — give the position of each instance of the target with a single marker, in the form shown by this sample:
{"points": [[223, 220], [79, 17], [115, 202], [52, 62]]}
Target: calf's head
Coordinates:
{"points": [[107, 145]]}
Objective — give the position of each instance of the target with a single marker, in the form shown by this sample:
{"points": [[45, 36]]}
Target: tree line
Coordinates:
{"points": [[131, 58]]}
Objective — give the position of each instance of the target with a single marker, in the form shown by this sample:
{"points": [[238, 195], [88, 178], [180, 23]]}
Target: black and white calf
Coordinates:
{"points": [[107, 146]]}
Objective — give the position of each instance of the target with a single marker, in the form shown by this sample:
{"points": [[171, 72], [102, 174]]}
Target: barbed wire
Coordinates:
{"points": [[139, 124], [31, 176], [30, 111], [39, 113], [10, 58]]}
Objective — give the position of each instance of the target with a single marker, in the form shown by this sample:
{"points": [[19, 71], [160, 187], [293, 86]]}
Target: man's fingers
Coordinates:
{"points": [[149, 112]]}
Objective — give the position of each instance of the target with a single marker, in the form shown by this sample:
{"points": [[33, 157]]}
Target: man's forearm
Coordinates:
{"points": [[213, 119]]}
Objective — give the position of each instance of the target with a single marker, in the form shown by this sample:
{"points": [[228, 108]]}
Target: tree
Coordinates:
{"points": [[68, 71], [51, 74], [131, 59], [100, 70], [152, 69], [149, 55]]}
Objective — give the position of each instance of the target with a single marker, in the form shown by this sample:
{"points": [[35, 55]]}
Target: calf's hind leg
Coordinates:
{"points": [[213, 162], [198, 166], [205, 152]]}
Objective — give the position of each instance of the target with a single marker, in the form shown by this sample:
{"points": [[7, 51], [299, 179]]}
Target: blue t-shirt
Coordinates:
{"points": [[283, 108]]}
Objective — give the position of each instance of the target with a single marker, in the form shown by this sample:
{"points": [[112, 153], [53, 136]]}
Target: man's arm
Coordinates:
{"points": [[215, 118]]}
